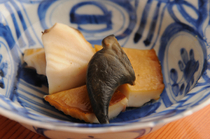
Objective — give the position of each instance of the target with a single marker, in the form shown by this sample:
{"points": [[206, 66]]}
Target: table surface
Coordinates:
{"points": [[195, 126]]}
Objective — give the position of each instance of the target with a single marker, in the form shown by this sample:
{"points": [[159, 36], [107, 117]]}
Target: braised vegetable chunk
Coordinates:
{"points": [[107, 70], [149, 79], [75, 102], [67, 56]]}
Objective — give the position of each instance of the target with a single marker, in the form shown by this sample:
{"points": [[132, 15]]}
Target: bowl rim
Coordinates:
{"points": [[94, 130]]}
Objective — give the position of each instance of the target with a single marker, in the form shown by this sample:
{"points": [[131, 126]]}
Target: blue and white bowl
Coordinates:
{"points": [[178, 30]]}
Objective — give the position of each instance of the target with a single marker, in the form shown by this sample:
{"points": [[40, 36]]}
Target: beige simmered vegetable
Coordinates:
{"points": [[149, 79], [75, 102], [67, 56]]}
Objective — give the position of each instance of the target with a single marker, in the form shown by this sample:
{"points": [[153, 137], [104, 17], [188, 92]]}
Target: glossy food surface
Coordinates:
{"points": [[108, 69]]}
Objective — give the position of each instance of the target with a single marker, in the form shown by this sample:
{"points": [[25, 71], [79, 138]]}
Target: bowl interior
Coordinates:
{"points": [[177, 31]]}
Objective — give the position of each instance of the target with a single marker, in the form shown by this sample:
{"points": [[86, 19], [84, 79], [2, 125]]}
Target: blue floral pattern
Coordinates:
{"points": [[3, 72], [188, 66]]}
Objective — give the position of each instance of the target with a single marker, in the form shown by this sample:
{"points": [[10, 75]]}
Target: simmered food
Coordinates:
{"points": [[67, 56], [149, 79], [94, 85], [107, 70], [75, 102]]}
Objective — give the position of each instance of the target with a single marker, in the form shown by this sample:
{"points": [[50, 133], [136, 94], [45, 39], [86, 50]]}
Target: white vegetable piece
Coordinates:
{"points": [[67, 56]]}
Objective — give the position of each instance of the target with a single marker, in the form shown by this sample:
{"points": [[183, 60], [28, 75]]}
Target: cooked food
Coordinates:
{"points": [[94, 85], [75, 102], [67, 56], [107, 70], [35, 58], [149, 80]]}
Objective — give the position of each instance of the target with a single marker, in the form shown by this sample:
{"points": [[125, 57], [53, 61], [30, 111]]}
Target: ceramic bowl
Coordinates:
{"points": [[179, 31]]}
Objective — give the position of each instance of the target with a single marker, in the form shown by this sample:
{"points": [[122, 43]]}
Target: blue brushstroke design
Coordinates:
{"points": [[132, 18], [161, 20], [174, 78], [170, 31], [28, 35], [143, 22], [157, 116], [30, 76], [205, 69], [30, 1], [2, 85], [1, 17], [31, 94], [91, 19], [31, 25], [1, 57], [6, 33], [134, 113], [202, 13], [8, 102], [34, 105], [42, 10], [170, 10], [183, 104], [148, 40], [3, 1], [6, 64], [202, 99], [188, 65], [32, 87], [87, 19], [166, 100], [136, 4], [3, 68], [26, 99], [185, 14], [17, 29]]}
